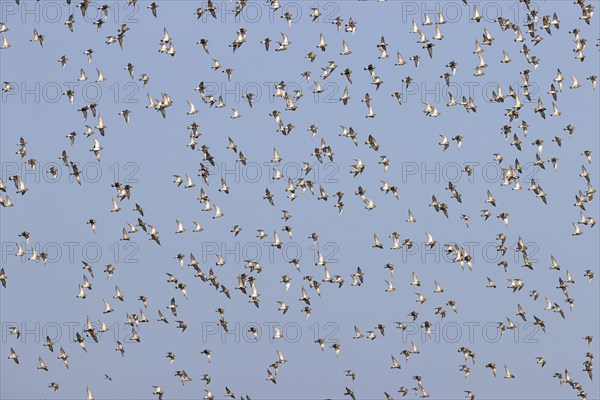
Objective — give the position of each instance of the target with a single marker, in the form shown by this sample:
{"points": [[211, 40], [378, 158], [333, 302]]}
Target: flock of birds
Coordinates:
{"points": [[428, 32]]}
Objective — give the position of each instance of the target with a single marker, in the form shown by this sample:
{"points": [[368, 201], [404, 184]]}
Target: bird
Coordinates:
{"points": [[541, 361], [37, 37], [158, 392], [13, 356]]}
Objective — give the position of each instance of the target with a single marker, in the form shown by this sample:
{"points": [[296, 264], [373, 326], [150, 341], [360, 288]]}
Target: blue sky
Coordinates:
{"points": [[146, 153]]}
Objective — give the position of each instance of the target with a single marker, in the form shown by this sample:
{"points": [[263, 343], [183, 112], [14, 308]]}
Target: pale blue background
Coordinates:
{"points": [[56, 213]]}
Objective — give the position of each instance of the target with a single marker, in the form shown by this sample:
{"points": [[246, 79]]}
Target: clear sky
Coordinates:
{"points": [[147, 152]]}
